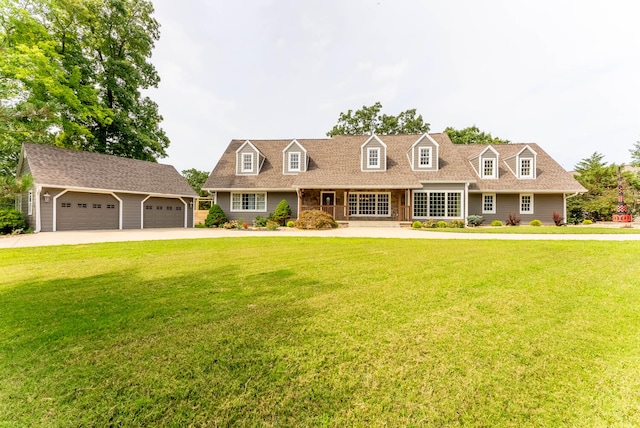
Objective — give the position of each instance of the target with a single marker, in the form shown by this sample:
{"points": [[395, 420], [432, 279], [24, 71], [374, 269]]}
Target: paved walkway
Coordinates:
{"points": [[86, 237]]}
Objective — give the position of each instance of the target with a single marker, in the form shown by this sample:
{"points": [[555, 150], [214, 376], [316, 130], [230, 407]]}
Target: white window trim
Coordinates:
{"points": [[299, 162], [369, 215], [493, 205], [369, 151], [30, 202], [242, 167], [494, 169], [430, 154], [446, 203], [520, 203], [231, 209], [531, 168]]}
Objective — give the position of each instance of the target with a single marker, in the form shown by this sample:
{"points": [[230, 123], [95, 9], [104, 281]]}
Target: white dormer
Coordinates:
{"points": [[423, 154], [249, 160], [526, 163], [487, 163], [294, 158], [373, 155]]}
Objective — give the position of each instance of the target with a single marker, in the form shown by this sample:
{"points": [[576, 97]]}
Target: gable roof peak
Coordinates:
{"points": [[373, 137]]}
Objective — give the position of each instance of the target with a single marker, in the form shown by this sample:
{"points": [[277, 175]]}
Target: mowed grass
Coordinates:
{"points": [[321, 332], [541, 230]]}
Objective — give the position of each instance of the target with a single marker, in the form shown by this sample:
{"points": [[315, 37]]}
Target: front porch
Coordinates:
{"points": [[389, 205]]}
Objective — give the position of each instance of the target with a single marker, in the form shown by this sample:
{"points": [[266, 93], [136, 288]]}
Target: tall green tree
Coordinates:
{"points": [[472, 135], [196, 179], [71, 74], [368, 120]]}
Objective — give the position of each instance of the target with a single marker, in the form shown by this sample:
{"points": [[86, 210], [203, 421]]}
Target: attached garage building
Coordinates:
{"points": [[76, 190]]}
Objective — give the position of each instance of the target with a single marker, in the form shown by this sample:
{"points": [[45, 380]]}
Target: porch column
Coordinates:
{"points": [[346, 204], [299, 192], [410, 207]]}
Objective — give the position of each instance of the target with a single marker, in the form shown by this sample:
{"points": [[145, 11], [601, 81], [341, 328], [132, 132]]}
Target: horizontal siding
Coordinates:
{"points": [[273, 199], [543, 207], [443, 186], [131, 210]]}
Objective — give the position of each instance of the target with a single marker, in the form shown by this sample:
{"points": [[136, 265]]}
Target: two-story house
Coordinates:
{"points": [[392, 177]]}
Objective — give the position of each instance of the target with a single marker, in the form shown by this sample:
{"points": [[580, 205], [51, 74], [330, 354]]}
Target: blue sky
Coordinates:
{"points": [[563, 74]]}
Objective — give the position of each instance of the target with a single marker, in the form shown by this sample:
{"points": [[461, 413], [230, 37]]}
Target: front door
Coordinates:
{"points": [[328, 202]]}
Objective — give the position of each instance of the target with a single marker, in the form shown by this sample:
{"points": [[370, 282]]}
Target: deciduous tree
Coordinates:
{"points": [[472, 135], [368, 120]]}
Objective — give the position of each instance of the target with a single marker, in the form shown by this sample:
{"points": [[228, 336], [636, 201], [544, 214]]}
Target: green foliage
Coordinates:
{"points": [[601, 181], [11, 186], [441, 224], [233, 224], [475, 220], [429, 224], [536, 223], [11, 221], [282, 213], [496, 223], [587, 222], [260, 221], [216, 216], [272, 225], [315, 219], [457, 224], [368, 120], [196, 180], [72, 74], [416, 225], [291, 223], [472, 135]]}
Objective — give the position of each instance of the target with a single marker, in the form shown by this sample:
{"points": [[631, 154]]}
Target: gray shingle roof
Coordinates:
{"points": [[335, 163], [58, 167]]}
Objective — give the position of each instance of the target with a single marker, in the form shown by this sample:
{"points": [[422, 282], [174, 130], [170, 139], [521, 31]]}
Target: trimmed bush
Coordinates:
{"points": [[416, 225], [587, 221], [291, 223], [457, 224], [282, 213], [496, 223], [475, 220], [536, 223], [216, 217], [315, 219], [429, 224], [441, 224], [11, 221]]}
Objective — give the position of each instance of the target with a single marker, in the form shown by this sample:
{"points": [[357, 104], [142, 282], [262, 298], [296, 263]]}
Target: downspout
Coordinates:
{"points": [[38, 212], [466, 202]]}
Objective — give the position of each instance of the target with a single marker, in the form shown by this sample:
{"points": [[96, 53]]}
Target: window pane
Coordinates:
{"points": [[488, 168], [420, 207], [260, 201], [425, 156], [487, 205], [236, 204], [437, 204], [383, 204], [294, 161], [453, 205], [373, 157], [353, 204]]}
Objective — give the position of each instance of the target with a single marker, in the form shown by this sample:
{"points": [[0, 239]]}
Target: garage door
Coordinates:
{"points": [[86, 211], [163, 212]]}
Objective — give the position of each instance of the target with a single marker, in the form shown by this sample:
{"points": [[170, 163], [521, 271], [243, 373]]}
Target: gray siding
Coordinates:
{"points": [[256, 160], [513, 164], [296, 147], [46, 209], [131, 210], [543, 207], [443, 186], [425, 142], [273, 199], [364, 158]]}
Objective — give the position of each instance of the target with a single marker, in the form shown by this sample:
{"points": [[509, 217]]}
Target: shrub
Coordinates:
{"points": [[441, 224], [558, 219], [272, 225], [291, 223], [416, 225], [282, 213], [260, 221], [429, 224], [587, 221], [457, 224], [496, 223], [513, 220], [536, 223], [245, 225], [475, 220], [216, 217], [315, 219], [11, 221], [233, 224]]}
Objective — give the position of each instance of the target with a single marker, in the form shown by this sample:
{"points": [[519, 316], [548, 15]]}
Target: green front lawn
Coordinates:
{"points": [[541, 230], [321, 332]]}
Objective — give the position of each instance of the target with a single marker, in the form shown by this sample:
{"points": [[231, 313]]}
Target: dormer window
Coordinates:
{"points": [[373, 156], [488, 168], [247, 162], [526, 171], [294, 161], [425, 157]]}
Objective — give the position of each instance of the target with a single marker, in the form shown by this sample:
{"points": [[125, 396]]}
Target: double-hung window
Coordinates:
{"points": [[424, 157], [373, 157], [294, 161], [526, 168], [526, 204], [488, 168], [247, 162], [488, 203], [249, 202]]}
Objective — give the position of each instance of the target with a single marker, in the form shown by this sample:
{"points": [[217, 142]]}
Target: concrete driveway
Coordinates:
{"points": [[86, 237]]}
